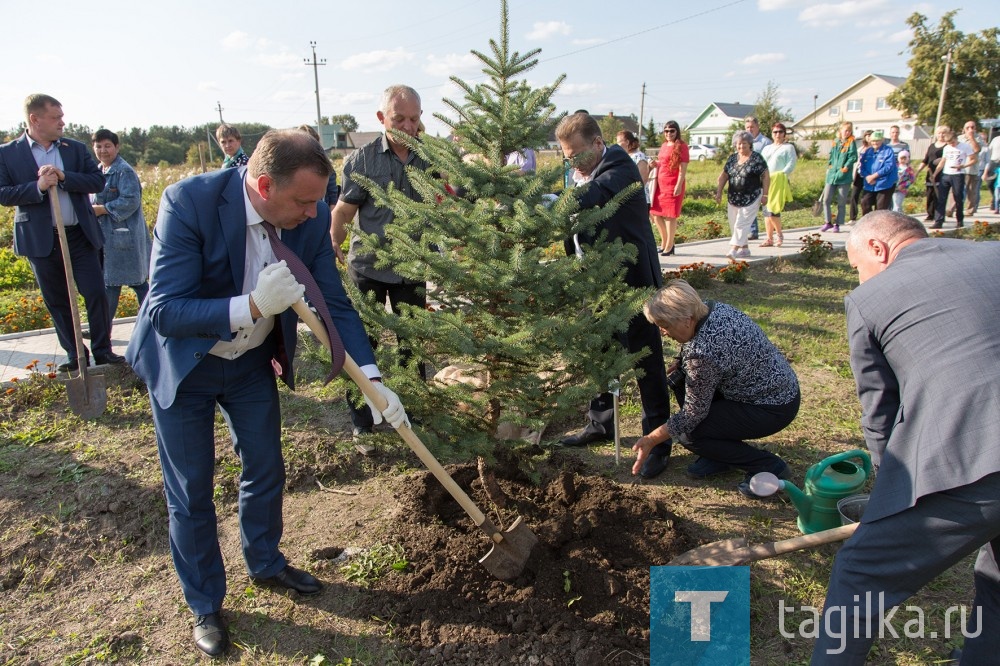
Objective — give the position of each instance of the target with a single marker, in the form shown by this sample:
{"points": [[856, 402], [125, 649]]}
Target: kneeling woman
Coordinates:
{"points": [[735, 385]]}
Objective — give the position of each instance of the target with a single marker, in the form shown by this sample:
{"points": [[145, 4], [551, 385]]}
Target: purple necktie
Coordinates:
{"points": [[313, 295]]}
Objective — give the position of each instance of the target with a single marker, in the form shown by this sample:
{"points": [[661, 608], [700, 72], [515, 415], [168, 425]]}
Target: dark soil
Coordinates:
{"points": [[583, 597]]}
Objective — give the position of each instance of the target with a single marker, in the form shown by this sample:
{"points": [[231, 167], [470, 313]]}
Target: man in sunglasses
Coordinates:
{"points": [[606, 170]]}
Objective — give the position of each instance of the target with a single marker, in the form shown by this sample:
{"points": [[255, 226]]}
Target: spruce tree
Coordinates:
{"points": [[534, 324]]}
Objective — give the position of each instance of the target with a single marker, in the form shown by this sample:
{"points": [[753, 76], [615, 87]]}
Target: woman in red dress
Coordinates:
{"points": [[671, 175]]}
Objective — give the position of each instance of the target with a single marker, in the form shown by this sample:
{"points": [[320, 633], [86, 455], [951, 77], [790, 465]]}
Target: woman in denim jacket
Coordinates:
{"points": [[119, 211]]}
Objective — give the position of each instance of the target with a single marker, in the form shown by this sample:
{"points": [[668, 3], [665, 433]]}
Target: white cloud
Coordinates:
{"points": [[577, 89], [236, 41], [902, 37], [376, 61], [762, 59], [208, 86], [546, 29], [453, 64], [772, 5], [834, 14], [729, 75], [292, 96], [278, 60], [358, 98]]}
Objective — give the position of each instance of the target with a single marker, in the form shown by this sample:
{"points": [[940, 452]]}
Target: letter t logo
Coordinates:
{"points": [[701, 610]]}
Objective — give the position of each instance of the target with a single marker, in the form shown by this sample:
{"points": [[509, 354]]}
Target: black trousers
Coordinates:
{"points": [[879, 200], [398, 294], [857, 189], [88, 272], [653, 393], [931, 199], [720, 436]]}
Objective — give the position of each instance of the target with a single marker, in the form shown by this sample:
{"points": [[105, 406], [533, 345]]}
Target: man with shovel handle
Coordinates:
{"points": [[214, 330], [926, 361], [40, 164]]}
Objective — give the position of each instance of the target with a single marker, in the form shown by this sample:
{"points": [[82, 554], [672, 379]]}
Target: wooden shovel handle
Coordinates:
{"points": [[410, 437], [70, 279], [765, 550]]}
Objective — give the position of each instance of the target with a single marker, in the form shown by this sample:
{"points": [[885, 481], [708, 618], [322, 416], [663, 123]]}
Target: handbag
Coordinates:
{"points": [[817, 208]]}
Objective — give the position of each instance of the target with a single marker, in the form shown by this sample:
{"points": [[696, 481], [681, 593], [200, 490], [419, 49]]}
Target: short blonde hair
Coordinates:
{"points": [[673, 303]]}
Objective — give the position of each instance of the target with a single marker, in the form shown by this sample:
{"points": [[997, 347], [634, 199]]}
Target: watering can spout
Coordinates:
{"points": [[802, 502]]}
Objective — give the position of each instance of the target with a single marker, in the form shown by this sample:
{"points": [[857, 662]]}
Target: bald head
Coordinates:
{"points": [[877, 238]]}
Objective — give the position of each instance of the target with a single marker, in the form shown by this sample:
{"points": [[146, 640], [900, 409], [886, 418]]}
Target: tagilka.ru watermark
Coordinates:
{"points": [[699, 615], [869, 618]]}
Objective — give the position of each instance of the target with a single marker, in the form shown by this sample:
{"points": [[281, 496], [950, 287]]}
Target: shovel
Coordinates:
{"points": [[734, 552], [512, 547], [87, 394]]}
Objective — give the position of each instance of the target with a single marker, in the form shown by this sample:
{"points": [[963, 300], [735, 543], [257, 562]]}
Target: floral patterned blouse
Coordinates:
{"points": [[730, 356], [745, 184]]}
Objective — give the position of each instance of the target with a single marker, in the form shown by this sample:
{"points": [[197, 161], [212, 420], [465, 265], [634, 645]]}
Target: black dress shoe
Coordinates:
{"points": [[588, 435], [210, 634], [292, 579], [72, 365], [110, 358], [657, 460]]}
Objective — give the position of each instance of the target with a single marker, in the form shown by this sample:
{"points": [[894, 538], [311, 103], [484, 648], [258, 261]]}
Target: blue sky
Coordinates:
{"points": [[125, 64]]}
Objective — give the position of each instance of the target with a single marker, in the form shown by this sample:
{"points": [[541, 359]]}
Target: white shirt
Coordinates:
{"points": [[955, 158], [247, 333], [995, 149]]}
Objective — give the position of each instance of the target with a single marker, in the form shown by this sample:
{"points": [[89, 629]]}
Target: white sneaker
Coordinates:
{"points": [[731, 253], [741, 253]]}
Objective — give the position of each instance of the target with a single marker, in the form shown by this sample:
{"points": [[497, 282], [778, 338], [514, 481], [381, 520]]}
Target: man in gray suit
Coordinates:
{"points": [[926, 357]]}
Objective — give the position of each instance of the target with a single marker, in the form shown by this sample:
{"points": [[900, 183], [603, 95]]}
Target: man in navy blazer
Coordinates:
{"points": [[29, 166], [926, 358], [209, 333], [609, 170]]}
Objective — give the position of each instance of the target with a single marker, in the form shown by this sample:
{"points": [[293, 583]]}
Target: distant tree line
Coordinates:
{"points": [[161, 144]]}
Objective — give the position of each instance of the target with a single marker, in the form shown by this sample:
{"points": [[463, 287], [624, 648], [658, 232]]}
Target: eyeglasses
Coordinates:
{"points": [[670, 131], [777, 131]]}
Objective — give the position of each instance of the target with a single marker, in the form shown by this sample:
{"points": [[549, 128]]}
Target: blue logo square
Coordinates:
{"points": [[699, 615]]}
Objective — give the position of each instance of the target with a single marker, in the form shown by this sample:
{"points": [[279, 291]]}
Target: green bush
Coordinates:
{"points": [[15, 272]]}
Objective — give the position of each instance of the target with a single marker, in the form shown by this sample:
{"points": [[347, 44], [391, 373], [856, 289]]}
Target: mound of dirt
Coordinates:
{"points": [[583, 597]]}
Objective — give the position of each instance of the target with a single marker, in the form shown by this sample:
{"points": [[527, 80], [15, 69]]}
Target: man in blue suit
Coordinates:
{"points": [[212, 332], [926, 357], [30, 165]]}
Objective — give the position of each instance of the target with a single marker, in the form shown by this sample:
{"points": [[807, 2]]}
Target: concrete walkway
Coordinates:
{"points": [[18, 350]]}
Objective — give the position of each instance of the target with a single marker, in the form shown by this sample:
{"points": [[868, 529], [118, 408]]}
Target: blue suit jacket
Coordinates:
{"points": [[199, 251], [630, 222], [33, 217]]}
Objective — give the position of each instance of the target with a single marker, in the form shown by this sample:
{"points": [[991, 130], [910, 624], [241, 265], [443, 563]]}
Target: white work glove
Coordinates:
{"points": [[276, 290], [394, 413]]}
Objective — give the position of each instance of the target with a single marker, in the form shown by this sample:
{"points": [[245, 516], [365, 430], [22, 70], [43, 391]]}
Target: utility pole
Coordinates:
{"points": [[218, 107], [944, 87], [315, 65], [815, 99], [642, 108]]}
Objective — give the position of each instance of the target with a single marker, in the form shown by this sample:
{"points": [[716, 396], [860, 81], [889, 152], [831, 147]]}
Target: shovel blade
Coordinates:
{"points": [[717, 553], [87, 395], [506, 559]]}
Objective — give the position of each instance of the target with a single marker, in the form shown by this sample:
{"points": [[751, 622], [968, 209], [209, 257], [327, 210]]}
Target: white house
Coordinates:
{"points": [[714, 123]]}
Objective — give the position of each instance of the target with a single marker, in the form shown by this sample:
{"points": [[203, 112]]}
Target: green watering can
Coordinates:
{"points": [[827, 482]]}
